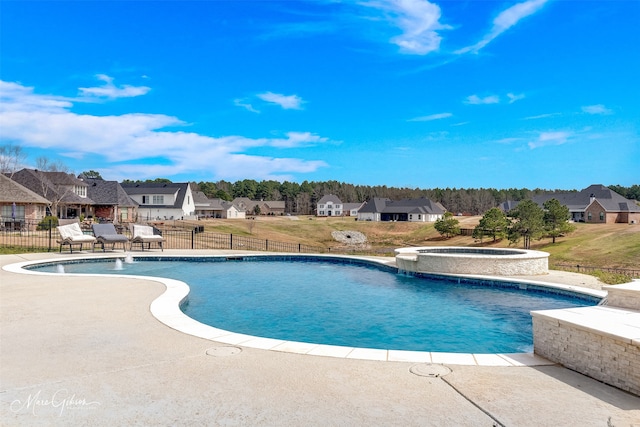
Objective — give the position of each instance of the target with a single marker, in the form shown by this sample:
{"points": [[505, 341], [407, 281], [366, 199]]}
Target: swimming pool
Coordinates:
{"points": [[347, 302]]}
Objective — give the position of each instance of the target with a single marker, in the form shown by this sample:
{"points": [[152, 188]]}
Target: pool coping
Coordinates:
{"points": [[166, 309]]}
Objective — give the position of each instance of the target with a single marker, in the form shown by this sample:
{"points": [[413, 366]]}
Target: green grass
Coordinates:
{"points": [[9, 250]]}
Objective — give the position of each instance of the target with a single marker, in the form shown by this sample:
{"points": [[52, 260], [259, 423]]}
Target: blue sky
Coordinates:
{"points": [[409, 93]]}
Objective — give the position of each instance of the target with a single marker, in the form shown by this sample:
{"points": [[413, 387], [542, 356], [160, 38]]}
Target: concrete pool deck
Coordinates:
{"points": [[79, 351]]}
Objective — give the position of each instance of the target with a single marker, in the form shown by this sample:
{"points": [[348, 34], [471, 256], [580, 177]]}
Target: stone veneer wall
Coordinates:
{"points": [[626, 295], [613, 361]]}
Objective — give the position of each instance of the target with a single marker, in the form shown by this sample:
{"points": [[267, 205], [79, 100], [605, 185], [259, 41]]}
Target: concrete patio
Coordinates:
{"points": [[87, 351]]}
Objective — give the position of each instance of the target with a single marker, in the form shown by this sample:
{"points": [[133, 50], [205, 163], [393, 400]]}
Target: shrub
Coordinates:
{"points": [[48, 222]]}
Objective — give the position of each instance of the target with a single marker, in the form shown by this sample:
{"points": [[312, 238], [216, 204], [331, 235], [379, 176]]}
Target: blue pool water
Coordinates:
{"points": [[356, 305]]}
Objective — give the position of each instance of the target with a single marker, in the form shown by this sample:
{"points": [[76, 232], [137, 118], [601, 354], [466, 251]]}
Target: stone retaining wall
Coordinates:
{"points": [[614, 361]]}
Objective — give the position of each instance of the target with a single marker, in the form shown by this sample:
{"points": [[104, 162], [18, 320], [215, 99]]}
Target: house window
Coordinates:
{"points": [[601, 216], [7, 210], [419, 217], [321, 213], [410, 217], [80, 190], [589, 216], [158, 200], [145, 200]]}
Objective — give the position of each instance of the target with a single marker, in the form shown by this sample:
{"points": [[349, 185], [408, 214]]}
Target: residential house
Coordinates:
{"points": [[412, 210], [266, 207], [329, 205], [19, 206], [227, 210], [67, 195], [594, 204], [372, 209], [111, 202], [216, 207], [351, 209], [162, 201]]}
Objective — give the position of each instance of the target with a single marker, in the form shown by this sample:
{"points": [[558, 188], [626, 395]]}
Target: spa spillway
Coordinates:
{"points": [[482, 261]]}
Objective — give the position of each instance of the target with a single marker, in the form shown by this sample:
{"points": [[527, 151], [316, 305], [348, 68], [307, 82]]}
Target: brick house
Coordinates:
{"points": [[111, 202], [595, 204], [19, 206], [67, 195]]}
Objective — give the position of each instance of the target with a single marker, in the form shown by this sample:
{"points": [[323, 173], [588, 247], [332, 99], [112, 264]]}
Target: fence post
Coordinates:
{"points": [[299, 248], [266, 245], [578, 267], [230, 241], [50, 227], [193, 237]]}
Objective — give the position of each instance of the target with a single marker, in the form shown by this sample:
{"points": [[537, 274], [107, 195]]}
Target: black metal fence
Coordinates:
{"points": [[590, 269], [44, 237]]}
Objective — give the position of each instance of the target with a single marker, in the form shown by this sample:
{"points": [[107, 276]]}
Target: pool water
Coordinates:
{"points": [[355, 305]]}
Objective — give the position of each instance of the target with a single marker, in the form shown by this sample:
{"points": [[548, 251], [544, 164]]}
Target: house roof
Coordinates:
{"points": [[108, 193], [204, 203], [422, 205], [579, 201], [508, 205], [350, 206], [418, 206], [274, 204], [200, 199], [159, 188], [246, 204], [374, 205], [50, 185], [330, 198], [11, 191]]}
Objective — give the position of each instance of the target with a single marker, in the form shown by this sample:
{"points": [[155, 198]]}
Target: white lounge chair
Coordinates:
{"points": [[71, 234], [144, 234]]}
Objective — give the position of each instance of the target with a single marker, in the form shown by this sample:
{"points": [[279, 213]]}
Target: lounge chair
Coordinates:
{"points": [[107, 234], [71, 234], [144, 234]]}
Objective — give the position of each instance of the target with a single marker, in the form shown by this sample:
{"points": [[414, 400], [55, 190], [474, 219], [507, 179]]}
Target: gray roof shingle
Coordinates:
{"points": [[11, 191]]}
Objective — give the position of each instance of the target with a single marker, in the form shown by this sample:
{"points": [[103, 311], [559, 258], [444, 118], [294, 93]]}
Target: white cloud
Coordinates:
{"points": [[507, 140], [111, 91], [597, 109], [242, 103], [475, 100], [550, 138], [542, 116], [513, 97], [30, 102], [505, 20], [417, 19], [431, 117], [43, 121], [288, 102]]}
